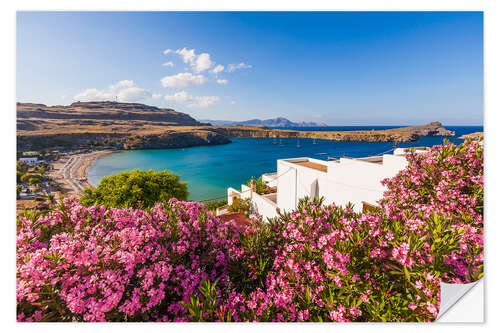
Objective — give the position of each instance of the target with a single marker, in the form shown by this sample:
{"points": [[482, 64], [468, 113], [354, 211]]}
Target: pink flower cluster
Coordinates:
{"points": [[447, 181], [332, 264], [94, 264]]}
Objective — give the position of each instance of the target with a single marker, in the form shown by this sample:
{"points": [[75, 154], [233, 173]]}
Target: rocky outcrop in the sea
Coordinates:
{"points": [[431, 129], [475, 135]]}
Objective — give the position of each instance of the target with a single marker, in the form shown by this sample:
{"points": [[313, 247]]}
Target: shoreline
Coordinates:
{"points": [[70, 172]]}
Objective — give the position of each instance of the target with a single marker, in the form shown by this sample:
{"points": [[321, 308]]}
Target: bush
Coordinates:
{"points": [[22, 166], [240, 205], [260, 185], [136, 189], [214, 204], [93, 264], [447, 181], [31, 178]]}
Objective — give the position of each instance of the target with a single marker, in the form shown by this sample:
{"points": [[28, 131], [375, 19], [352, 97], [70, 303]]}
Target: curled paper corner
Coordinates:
{"points": [[461, 302]]}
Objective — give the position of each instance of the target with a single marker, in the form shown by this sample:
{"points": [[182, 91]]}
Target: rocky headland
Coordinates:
{"points": [[475, 135], [403, 134], [140, 126]]}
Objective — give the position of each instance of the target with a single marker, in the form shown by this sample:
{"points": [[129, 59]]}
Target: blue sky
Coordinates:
{"points": [[342, 68]]}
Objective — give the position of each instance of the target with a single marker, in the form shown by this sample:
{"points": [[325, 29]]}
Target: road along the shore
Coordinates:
{"points": [[74, 171]]}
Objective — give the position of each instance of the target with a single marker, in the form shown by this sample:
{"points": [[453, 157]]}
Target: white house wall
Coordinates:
{"points": [[286, 186], [263, 206], [348, 180], [294, 184]]}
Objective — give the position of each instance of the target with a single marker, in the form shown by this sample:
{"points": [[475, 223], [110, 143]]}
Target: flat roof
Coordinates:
{"points": [[372, 159], [312, 165]]}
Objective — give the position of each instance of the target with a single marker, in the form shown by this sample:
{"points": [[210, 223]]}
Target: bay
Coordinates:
{"points": [[210, 170]]}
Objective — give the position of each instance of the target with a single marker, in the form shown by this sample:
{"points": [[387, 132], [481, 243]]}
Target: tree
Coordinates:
{"points": [[22, 166], [31, 178], [136, 188]]}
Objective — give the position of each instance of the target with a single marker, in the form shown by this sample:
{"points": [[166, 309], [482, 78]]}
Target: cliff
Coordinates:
{"points": [[402, 134]]}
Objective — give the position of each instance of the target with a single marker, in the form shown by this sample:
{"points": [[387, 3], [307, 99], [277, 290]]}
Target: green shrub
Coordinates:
{"points": [[242, 205], [212, 205], [136, 188], [260, 185]]}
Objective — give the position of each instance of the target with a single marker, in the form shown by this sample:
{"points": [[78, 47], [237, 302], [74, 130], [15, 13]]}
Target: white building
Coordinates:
{"points": [[29, 160], [355, 180], [26, 153]]}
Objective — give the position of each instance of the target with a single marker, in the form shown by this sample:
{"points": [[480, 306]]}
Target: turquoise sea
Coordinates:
{"points": [[210, 170]]}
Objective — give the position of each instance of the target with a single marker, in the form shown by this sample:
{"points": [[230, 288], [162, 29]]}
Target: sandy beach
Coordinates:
{"points": [[70, 171]]}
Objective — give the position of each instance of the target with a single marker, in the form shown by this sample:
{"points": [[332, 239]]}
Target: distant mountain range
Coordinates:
{"points": [[276, 122]]}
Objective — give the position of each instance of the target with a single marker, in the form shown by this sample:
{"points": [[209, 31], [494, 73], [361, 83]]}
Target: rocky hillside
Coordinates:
{"points": [[402, 134], [121, 125], [34, 117], [139, 126]]}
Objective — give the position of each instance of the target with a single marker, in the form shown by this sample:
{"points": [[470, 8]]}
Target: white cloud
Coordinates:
{"points": [[156, 96], [193, 101], [202, 63], [233, 102], [123, 91], [222, 81], [179, 97], [217, 69], [198, 63], [188, 56], [133, 94], [232, 67], [167, 51], [94, 94], [168, 64], [182, 80]]}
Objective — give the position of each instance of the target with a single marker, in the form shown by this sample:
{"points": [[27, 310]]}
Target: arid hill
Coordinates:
{"points": [[140, 126], [33, 117]]}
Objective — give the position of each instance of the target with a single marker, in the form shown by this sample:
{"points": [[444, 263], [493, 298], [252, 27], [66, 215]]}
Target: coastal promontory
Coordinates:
{"points": [[140, 126]]}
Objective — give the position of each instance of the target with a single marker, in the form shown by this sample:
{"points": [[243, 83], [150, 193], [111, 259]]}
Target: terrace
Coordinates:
{"points": [[313, 165]]}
